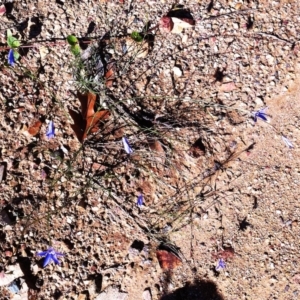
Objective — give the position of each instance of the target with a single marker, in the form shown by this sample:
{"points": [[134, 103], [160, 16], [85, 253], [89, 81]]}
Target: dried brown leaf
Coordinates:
{"points": [[155, 145], [167, 260], [87, 102], [34, 129], [88, 121], [225, 254]]}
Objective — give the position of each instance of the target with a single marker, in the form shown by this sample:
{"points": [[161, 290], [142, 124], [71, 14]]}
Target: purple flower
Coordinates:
{"points": [[260, 114], [51, 130], [126, 145], [140, 201], [11, 58], [220, 265], [50, 255], [287, 142]]}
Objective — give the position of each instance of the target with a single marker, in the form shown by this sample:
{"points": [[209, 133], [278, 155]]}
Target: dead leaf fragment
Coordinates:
{"points": [[180, 24], [34, 129], [168, 256], [226, 253], [155, 145], [176, 20], [167, 260], [43, 51]]}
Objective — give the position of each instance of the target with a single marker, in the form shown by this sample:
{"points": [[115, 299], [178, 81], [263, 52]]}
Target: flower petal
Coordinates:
{"points": [[11, 58], [126, 145], [51, 130], [54, 258], [262, 116], [287, 142], [140, 201], [47, 260], [42, 253], [220, 265]]}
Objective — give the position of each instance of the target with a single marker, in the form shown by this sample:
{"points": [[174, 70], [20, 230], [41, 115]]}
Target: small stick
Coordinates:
{"points": [[240, 12], [274, 37]]}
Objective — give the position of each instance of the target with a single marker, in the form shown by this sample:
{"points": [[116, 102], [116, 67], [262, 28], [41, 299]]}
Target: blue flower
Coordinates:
{"points": [[50, 255], [260, 114], [287, 142], [51, 130], [126, 145], [11, 58], [140, 201], [220, 265]]}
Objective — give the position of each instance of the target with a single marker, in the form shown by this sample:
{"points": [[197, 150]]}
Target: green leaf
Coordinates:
{"points": [[13, 42], [16, 55], [75, 50], [8, 33], [72, 40], [137, 37]]}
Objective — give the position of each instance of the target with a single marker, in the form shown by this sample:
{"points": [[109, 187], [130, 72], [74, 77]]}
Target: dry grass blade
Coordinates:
{"points": [[1, 173]]}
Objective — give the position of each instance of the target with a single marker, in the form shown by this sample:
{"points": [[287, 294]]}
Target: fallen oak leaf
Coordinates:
{"points": [[82, 127], [88, 120]]}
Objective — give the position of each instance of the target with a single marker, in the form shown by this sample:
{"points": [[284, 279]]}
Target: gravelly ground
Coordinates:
{"points": [[205, 190]]}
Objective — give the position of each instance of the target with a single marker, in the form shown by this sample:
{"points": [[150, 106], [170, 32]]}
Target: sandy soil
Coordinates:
{"points": [[215, 183]]}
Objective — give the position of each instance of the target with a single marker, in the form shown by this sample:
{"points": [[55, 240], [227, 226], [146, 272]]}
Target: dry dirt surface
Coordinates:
{"points": [[215, 184]]}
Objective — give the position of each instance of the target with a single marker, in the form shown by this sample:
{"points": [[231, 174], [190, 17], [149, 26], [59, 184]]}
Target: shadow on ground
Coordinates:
{"points": [[198, 290]]}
